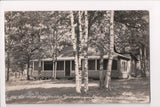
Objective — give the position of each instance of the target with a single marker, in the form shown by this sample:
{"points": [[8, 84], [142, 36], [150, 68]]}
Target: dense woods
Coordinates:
{"points": [[41, 34]]}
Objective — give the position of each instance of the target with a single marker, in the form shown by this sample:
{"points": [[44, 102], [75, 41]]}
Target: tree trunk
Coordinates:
{"points": [[80, 30], [78, 82], [145, 62], [39, 56], [22, 69], [54, 61], [101, 74], [8, 66], [79, 45], [53, 70], [9, 48], [55, 56], [86, 54], [28, 66], [141, 62], [54, 52], [78, 87], [111, 51]]}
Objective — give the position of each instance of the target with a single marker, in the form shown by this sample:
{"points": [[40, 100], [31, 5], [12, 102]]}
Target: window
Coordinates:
{"points": [[114, 65], [124, 66], [98, 64], [73, 65], [91, 64], [60, 65], [48, 65]]}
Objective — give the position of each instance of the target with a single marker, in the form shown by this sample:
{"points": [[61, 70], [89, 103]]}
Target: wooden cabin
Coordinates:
{"points": [[66, 66]]}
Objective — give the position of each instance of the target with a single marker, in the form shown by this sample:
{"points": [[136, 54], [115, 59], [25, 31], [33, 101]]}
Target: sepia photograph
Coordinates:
{"points": [[77, 57]]}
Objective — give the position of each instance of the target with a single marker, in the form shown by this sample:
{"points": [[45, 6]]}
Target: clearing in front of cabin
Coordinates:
{"points": [[62, 91]]}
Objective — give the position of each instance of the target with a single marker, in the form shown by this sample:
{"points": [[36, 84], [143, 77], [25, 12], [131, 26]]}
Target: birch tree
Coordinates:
{"points": [[111, 51], [99, 38], [77, 75], [86, 53], [79, 46], [53, 43]]}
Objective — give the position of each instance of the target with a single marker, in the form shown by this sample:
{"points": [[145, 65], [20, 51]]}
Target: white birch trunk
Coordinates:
{"points": [[53, 69], [78, 87], [111, 51], [80, 47], [86, 54]]}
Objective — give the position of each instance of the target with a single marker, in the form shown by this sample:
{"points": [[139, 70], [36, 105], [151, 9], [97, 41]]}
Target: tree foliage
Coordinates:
{"points": [[43, 34], [138, 24]]}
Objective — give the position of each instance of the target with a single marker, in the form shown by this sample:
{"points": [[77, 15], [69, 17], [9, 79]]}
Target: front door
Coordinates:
{"points": [[67, 68]]}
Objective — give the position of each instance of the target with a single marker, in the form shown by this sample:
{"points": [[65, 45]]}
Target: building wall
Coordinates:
{"points": [[59, 74], [125, 67], [48, 74]]}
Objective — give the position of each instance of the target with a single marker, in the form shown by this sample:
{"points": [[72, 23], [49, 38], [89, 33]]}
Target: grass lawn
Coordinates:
{"points": [[63, 92]]}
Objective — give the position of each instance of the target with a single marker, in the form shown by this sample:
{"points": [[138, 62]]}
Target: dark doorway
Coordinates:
{"points": [[67, 68]]}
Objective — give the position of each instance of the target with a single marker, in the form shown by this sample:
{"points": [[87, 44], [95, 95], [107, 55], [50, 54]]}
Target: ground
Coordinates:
{"points": [[62, 91]]}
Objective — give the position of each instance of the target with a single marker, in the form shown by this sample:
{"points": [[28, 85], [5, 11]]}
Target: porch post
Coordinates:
{"points": [[42, 65], [64, 67], [129, 67], [119, 66], [95, 64], [70, 67], [32, 68]]}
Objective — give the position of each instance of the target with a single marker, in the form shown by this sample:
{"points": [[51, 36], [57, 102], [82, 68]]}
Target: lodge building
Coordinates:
{"points": [[122, 65]]}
